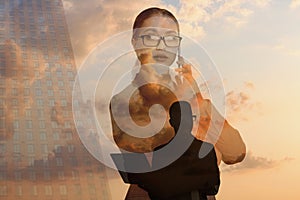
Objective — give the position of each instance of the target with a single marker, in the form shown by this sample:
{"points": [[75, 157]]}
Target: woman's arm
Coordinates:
{"points": [[226, 138]]}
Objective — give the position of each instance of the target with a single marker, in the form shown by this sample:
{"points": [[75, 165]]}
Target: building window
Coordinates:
{"points": [[71, 83], [61, 175], [70, 74], [28, 113], [14, 102], [32, 175], [16, 148], [59, 162], [16, 124], [36, 74], [2, 72], [58, 66], [60, 83], [50, 93], [40, 102], [40, 113], [47, 175], [34, 56], [77, 189], [63, 103], [57, 149], [42, 124], [3, 190], [54, 124], [18, 176], [30, 161], [30, 148], [13, 72], [24, 64], [49, 83], [34, 190], [26, 73], [43, 136], [2, 148], [68, 65], [14, 91], [28, 124], [66, 113], [67, 124], [27, 102], [48, 190], [26, 83], [89, 174], [62, 93], [38, 82], [26, 91], [38, 92], [2, 102], [59, 74], [69, 136], [55, 136], [16, 135], [15, 113], [36, 64], [92, 189], [63, 190], [73, 161], [19, 190], [2, 91], [46, 57], [3, 162], [71, 148], [44, 148], [2, 123], [29, 136], [48, 74], [3, 176], [46, 161], [75, 175]]}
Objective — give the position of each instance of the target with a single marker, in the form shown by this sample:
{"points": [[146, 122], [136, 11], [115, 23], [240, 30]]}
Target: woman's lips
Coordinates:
{"points": [[160, 57]]}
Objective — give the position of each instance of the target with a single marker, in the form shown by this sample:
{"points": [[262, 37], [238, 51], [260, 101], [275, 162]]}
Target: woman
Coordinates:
{"points": [[156, 41]]}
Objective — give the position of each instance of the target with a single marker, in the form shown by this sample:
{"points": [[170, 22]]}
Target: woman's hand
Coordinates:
{"points": [[185, 80]]}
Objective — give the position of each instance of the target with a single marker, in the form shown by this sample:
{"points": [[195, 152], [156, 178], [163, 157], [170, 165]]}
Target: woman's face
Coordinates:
{"points": [[152, 29]]}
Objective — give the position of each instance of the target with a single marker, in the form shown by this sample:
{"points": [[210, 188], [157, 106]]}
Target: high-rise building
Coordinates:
{"points": [[41, 155]]}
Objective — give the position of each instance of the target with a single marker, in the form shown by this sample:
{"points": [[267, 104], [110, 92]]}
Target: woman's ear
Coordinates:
{"points": [[133, 42]]}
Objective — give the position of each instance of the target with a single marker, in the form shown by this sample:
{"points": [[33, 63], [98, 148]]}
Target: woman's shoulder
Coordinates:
{"points": [[128, 92]]}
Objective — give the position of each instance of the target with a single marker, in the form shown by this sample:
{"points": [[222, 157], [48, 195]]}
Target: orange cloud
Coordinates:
{"points": [[252, 162], [240, 105]]}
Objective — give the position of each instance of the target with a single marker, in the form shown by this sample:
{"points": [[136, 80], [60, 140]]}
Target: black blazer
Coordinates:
{"points": [[184, 175]]}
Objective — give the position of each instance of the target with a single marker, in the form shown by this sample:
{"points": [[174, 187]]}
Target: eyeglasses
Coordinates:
{"points": [[154, 40]]}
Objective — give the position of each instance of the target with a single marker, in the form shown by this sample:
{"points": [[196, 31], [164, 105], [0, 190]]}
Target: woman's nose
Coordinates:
{"points": [[161, 44]]}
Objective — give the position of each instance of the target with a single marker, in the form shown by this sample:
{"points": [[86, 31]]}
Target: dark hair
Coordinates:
{"points": [[149, 12]]}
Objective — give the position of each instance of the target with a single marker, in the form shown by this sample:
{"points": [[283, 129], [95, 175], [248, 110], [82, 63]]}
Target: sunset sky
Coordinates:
{"points": [[256, 46]]}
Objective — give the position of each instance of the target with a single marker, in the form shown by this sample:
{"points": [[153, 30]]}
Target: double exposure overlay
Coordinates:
{"points": [[41, 156]]}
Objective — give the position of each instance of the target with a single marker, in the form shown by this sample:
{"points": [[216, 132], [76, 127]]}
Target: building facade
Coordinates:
{"points": [[41, 155]]}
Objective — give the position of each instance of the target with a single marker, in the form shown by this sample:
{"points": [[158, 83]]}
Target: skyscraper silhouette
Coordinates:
{"points": [[41, 155]]}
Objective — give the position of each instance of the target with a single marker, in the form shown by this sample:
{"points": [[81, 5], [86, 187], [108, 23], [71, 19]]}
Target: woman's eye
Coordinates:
{"points": [[170, 37], [153, 37]]}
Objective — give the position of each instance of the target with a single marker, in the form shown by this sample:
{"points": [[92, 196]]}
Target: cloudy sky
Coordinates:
{"points": [[256, 47]]}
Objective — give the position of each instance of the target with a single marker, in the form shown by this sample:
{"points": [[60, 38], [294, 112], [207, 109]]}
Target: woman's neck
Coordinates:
{"points": [[160, 69]]}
